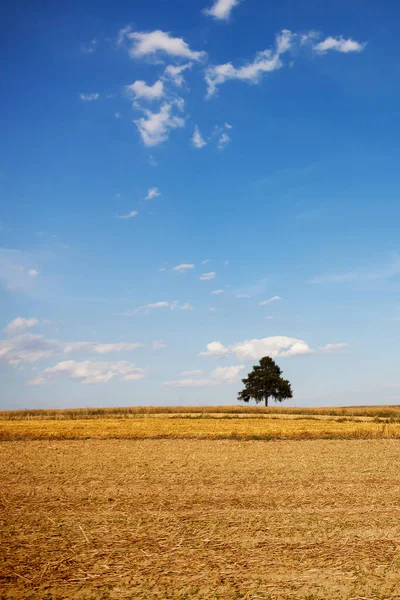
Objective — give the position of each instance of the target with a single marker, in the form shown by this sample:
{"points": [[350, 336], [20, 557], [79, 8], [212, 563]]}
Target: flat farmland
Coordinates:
{"points": [[200, 519], [242, 423]]}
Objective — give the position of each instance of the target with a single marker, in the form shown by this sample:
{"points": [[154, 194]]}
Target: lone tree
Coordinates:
{"points": [[265, 382]]}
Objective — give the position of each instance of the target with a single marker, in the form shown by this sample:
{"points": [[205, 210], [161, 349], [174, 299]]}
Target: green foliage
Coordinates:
{"points": [[265, 382]]}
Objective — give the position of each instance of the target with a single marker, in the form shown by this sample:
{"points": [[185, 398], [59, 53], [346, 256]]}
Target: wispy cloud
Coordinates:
{"points": [[182, 268], [89, 97], [221, 9], [20, 324], [88, 372], [140, 89], [25, 347], [328, 348], [363, 276], [191, 373], [265, 61], [339, 44], [266, 302], [155, 127], [130, 215], [207, 276], [147, 308], [156, 42], [152, 193], [270, 60], [174, 73], [186, 306], [90, 47], [217, 292], [197, 139], [223, 140]]}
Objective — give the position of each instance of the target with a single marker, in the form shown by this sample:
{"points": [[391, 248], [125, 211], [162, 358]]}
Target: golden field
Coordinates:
{"points": [[200, 519], [200, 504], [202, 423]]}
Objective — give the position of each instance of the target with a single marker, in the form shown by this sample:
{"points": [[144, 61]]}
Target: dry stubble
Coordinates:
{"points": [[186, 519]]}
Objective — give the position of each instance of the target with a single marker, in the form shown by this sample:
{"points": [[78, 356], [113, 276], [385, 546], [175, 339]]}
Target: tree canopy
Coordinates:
{"points": [[265, 382]]}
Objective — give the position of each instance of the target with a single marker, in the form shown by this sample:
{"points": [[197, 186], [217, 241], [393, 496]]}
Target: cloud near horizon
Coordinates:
{"points": [[274, 346], [89, 372]]}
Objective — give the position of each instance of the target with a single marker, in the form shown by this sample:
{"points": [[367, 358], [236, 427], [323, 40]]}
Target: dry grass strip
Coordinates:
{"points": [[385, 412]]}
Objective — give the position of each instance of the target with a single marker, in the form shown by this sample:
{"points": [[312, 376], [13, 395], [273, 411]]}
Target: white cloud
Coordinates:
{"points": [[27, 348], [20, 324], [153, 42], [174, 73], [266, 302], [334, 347], [270, 60], [33, 273], [212, 309], [217, 292], [116, 347], [183, 268], [155, 127], [227, 126], [185, 306], [197, 140], [88, 372], [162, 304], [147, 308], [22, 348], [221, 9], [339, 44], [131, 214], [204, 262], [240, 296], [284, 41], [89, 97], [191, 373], [265, 61], [215, 349], [152, 193], [273, 346], [117, 115], [140, 89], [207, 276], [229, 374], [219, 376], [223, 141]]}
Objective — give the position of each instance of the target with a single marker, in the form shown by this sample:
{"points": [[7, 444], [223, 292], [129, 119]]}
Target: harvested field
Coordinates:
{"points": [[200, 519]]}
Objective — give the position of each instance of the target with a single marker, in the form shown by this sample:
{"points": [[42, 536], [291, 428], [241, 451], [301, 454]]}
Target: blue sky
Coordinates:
{"points": [[188, 186]]}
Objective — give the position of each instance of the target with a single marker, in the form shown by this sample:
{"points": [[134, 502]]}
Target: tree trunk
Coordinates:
{"points": [[266, 400]]}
